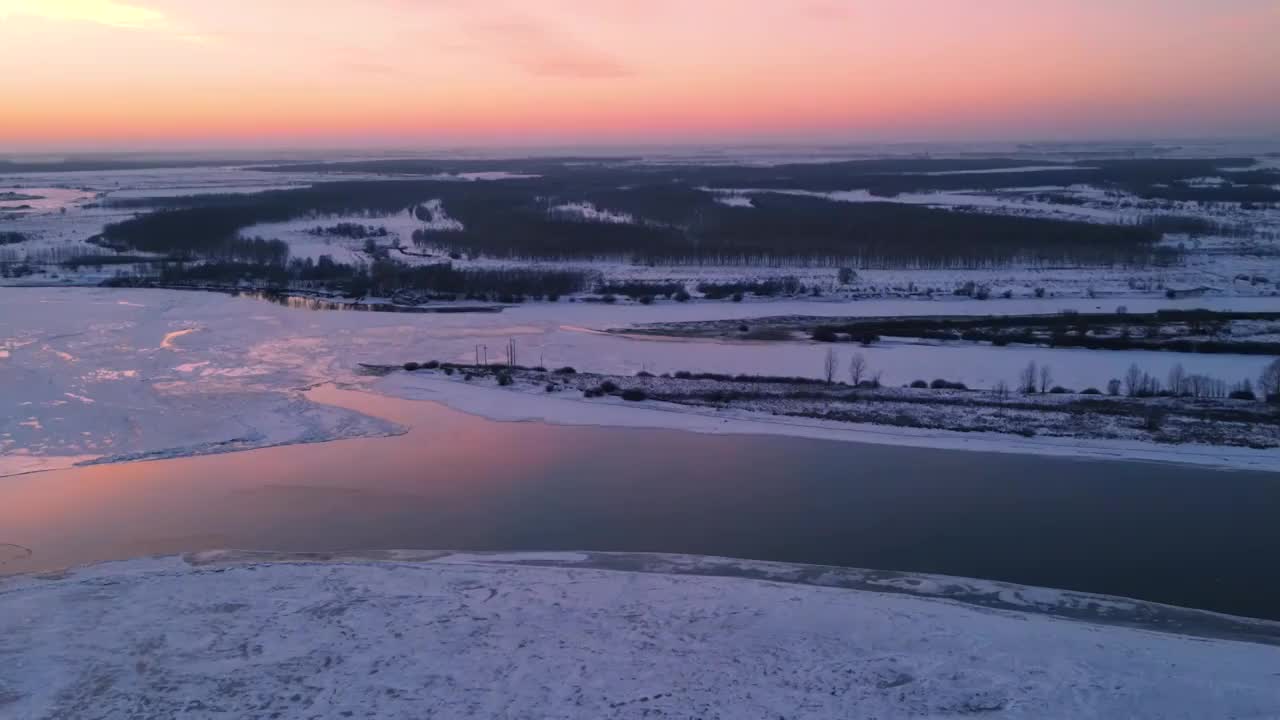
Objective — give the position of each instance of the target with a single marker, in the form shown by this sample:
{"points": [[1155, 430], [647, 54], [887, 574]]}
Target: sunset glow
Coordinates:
{"points": [[177, 73]]}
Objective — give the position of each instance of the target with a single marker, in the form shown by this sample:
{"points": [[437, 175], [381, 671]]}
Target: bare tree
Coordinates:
{"points": [[1177, 381], [830, 366], [1001, 390], [1027, 379], [857, 368], [1113, 386], [1132, 380], [1046, 378], [1269, 381]]}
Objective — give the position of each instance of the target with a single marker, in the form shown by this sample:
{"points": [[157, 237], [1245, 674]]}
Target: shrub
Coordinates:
{"points": [[919, 384], [1154, 419], [411, 366], [1058, 390], [551, 387], [644, 374], [448, 371], [609, 299], [1113, 386], [608, 386], [431, 364], [941, 384], [681, 295], [1243, 395], [1039, 292], [683, 375], [591, 393], [737, 297], [824, 334], [504, 379], [646, 299], [566, 370], [634, 394], [1091, 391]]}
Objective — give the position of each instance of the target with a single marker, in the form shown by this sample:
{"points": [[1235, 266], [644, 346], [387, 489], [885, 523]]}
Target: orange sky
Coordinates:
{"points": [[241, 73]]}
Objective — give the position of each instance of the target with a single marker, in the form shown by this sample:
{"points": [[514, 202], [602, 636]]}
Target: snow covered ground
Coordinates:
{"points": [[93, 373], [567, 635], [83, 206]]}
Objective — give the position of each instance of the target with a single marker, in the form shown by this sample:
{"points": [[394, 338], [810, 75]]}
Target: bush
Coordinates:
{"points": [[919, 384], [431, 364], [448, 371], [681, 296], [608, 386], [824, 334], [566, 370], [1058, 390], [551, 387], [1154, 419], [591, 393], [411, 366], [737, 297], [504, 379], [1091, 391], [644, 374], [634, 394], [683, 375], [1243, 395], [941, 384], [646, 299], [609, 299]]}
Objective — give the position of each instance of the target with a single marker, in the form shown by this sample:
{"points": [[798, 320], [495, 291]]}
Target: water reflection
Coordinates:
{"points": [[1181, 535]]}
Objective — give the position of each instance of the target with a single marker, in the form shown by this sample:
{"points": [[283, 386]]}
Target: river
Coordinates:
{"points": [[1181, 535]]}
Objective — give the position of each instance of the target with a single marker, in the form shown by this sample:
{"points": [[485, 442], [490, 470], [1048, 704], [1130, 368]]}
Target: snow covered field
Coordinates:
{"points": [[59, 232], [105, 374], [410, 634]]}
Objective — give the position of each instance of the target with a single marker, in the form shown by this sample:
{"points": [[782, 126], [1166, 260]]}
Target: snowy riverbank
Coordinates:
{"points": [[569, 635], [532, 403]]}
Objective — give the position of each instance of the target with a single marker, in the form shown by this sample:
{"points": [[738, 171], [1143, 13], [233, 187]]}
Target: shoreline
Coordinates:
{"points": [[503, 405]]}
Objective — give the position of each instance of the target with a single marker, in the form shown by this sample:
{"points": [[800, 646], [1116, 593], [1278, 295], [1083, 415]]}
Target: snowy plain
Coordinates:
{"points": [[578, 635]]}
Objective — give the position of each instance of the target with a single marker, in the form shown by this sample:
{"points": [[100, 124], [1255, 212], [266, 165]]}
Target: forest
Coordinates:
{"points": [[675, 224]]}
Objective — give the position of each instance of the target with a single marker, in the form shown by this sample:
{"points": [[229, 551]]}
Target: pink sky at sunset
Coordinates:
{"points": [[231, 73]]}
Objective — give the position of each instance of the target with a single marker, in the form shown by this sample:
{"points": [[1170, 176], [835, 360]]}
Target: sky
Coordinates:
{"points": [[135, 74]]}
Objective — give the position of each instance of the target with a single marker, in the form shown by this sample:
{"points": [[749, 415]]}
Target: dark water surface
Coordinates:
{"points": [[1181, 535]]}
